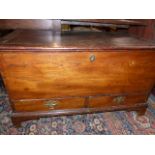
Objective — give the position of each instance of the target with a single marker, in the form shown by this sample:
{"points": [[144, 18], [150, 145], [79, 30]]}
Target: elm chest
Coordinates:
{"points": [[73, 73]]}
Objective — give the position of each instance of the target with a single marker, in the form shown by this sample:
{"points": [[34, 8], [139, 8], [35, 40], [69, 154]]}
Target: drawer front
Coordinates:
{"points": [[109, 101], [46, 105], [37, 75]]}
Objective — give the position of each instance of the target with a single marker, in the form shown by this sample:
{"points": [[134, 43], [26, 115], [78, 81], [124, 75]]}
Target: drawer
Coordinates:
{"points": [[45, 105], [108, 101]]}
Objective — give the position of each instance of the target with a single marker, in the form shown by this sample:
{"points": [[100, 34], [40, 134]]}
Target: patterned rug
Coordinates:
{"points": [[113, 123]]}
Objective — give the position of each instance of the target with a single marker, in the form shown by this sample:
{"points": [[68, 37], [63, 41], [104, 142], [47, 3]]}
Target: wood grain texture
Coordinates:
{"points": [[83, 72], [42, 105], [41, 24], [109, 101], [146, 32], [58, 74], [19, 117], [41, 40], [77, 102]]}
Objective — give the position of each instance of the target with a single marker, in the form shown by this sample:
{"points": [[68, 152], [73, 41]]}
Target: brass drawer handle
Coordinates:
{"points": [[119, 99], [92, 58], [51, 104]]}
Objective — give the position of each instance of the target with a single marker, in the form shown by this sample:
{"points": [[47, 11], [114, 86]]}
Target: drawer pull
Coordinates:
{"points": [[92, 58], [119, 99], [51, 104]]}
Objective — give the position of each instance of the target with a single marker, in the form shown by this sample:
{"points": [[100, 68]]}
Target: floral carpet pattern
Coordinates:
{"points": [[108, 123]]}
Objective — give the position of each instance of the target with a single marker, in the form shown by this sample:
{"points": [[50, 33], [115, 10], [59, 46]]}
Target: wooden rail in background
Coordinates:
{"points": [[141, 28], [146, 32], [46, 24]]}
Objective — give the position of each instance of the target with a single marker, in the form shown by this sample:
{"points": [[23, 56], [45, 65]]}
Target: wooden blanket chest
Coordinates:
{"points": [[46, 74]]}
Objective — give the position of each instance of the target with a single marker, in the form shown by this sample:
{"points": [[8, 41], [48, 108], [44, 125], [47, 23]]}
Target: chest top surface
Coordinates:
{"points": [[47, 40]]}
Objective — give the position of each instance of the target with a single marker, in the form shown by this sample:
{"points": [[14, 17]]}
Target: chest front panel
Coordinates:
{"points": [[37, 75]]}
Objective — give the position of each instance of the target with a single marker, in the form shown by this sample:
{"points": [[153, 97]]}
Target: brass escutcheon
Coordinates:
{"points": [[50, 104], [92, 58], [119, 99]]}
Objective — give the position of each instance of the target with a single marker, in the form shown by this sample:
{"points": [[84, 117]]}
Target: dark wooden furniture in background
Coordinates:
{"points": [[48, 74]]}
